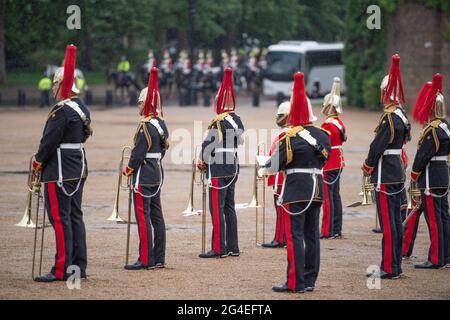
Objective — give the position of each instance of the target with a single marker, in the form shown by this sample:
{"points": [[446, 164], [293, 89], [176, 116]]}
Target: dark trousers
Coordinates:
{"points": [[332, 205], [66, 217], [404, 204], [149, 218], [438, 221], [389, 215], [303, 245], [410, 232], [223, 216], [45, 99], [280, 230]]}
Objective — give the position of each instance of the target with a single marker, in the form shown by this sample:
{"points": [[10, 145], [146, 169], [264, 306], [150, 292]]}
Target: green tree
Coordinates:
{"points": [[2, 43]]}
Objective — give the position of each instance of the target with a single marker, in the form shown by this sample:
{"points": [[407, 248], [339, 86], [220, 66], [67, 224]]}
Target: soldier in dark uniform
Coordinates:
{"points": [[145, 167], [62, 162], [385, 166], [430, 170], [412, 225], [219, 158], [301, 154], [332, 204]]}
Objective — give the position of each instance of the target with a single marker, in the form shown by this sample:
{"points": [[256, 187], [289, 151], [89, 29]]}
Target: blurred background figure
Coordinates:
{"points": [[44, 86]]}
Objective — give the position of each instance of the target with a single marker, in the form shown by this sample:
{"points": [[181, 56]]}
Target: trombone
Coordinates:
{"points": [[115, 216], [190, 210], [34, 191], [26, 221], [414, 201], [203, 182], [254, 203]]}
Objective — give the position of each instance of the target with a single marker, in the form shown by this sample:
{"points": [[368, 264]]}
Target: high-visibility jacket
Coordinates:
{"points": [[124, 66], [45, 84]]}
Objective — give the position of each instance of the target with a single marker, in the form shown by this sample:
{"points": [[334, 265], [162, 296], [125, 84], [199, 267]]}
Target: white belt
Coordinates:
{"points": [[153, 156], [313, 171], [387, 152], [224, 150], [71, 146], [440, 158], [60, 182], [336, 147], [392, 152]]}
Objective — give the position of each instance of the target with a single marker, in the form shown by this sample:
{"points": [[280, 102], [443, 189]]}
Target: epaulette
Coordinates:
{"points": [[290, 133], [216, 121], [387, 117], [55, 109], [142, 128], [432, 126]]}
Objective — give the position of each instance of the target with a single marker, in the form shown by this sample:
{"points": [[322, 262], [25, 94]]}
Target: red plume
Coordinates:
{"points": [[226, 100], [420, 102], [395, 86], [153, 99], [299, 114], [69, 71], [429, 104]]}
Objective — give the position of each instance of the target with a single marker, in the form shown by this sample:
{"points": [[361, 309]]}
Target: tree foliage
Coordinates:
{"points": [[36, 31]]}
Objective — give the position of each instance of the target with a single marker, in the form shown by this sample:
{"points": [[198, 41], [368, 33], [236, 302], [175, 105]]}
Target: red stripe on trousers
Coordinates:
{"points": [[280, 225], [326, 209], [434, 237], [292, 276], [410, 226], [59, 231], [143, 235], [387, 234], [216, 217]]}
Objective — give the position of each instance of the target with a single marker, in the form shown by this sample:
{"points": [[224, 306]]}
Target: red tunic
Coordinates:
{"points": [[336, 160], [278, 177]]}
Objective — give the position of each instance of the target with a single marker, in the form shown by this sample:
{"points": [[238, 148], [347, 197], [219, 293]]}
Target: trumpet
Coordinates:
{"points": [[115, 216], [414, 201], [368, 192], [254, 203]]}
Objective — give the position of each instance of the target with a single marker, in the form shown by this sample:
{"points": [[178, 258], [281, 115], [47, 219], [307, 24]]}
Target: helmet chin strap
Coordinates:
{"points": [[58, 91]]}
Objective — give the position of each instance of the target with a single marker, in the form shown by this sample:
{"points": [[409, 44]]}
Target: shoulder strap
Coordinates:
{"points": [[306, 135], [337, 124], [444, 127], [233, 123], [75, 107], [154, 122], [398, 112]]}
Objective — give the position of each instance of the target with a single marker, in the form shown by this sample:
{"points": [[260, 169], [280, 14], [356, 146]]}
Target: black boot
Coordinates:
{"points": [[285, 288], [136, 266], [382, 275], [212, 254], [273, 244], [47, 278], [426, 265]]}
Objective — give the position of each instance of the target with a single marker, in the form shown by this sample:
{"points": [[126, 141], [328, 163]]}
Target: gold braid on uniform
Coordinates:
{"points": [[388, 115], [292, 132], [56, 108], [216, 121], [432, 126], [143, 128]]}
